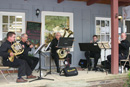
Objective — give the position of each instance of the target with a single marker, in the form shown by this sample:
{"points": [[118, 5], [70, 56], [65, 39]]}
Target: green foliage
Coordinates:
{"points": [[53, 21], [127, 84]]}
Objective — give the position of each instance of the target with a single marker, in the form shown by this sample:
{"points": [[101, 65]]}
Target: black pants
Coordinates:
{"points": [[55, 56], [32, 61], [120, 57], [22, 65], [95, 55]]}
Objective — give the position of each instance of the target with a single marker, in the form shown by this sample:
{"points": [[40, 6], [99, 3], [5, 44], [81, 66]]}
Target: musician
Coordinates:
{"points": [[123, 48], [54, 49], [95, 55], [32, 61], [23, 67]]}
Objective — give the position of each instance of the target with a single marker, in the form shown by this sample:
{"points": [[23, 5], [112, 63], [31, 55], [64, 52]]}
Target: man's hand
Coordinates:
{"points": [[23, 46], [11, 54], [31, 46], [119, 41]]}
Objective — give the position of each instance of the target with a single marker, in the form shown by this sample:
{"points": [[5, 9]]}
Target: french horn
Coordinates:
{"points": [[17, 49]]}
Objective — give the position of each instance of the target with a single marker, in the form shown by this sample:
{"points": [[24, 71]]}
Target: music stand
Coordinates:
{"points": [[104, 45], [89, 47], [65, 42], [38, 50], [46, 49]]}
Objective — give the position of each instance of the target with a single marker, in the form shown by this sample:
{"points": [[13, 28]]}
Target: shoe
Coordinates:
{"points": [[31, 77], [21, 80], [95, 69], [58, 70]]}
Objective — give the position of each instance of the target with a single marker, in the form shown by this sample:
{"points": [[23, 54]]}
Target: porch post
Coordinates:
{"points": [[114, 37]]}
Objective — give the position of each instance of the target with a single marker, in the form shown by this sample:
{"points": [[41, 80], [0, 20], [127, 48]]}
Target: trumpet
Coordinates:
{"points": [[30, 43]]}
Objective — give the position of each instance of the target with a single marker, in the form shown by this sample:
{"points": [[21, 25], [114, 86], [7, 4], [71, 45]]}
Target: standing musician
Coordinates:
{"points": [[32, 61], [23, 67], [95, 55], [54, 49]]}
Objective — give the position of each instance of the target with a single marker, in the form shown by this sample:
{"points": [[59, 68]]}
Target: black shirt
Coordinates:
{"points": [[26, 48], [124, 48], [4, 50], [54, 43]]}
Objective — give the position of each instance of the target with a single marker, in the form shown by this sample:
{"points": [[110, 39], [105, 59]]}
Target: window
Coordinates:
{"points": [[53, 22], [126, 28], [11, 21], [103, 28]]}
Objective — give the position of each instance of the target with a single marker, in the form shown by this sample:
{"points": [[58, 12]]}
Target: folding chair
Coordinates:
{"points": [[4, 68], [125, 60]]}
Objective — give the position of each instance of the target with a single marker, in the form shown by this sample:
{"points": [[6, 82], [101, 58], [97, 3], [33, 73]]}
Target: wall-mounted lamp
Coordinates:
{"points": [[119, 17], [37, 12]]}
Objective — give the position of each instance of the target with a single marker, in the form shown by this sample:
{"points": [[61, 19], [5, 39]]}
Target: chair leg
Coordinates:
{"points": [[10, 74], [125, 63], [4, 75]]}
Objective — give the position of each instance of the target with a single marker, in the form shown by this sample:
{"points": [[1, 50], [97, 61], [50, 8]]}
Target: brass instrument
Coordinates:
{"points": [[17, 49], [30, 43], [63, 52]]}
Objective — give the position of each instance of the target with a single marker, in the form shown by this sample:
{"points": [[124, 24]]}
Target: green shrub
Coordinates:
{"points": [[127, 84]]}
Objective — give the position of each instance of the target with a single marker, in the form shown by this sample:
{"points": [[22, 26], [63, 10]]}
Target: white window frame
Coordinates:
{"points": [[103, 18], [124, 25], [46, 13], [12, 14]]}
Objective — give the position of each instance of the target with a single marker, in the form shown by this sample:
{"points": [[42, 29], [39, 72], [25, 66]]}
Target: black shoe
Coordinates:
{"points": [[94, 69], [58, 70]]}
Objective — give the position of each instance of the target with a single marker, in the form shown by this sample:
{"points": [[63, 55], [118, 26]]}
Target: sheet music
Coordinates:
{"points": [[103, 45]]}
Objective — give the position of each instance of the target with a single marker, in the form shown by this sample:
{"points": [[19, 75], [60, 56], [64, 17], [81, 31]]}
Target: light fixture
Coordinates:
{"points": [[119, 17], [37, 12]]}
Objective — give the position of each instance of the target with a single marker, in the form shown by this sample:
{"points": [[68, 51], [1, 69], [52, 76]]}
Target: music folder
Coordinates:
{"points": [[89, 47]]}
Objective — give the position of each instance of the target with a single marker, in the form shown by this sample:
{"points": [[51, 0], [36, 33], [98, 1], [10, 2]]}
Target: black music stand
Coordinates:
{"points": [[46, 49], [89, 47], [38, 50], [66, 43], [62, 43]]}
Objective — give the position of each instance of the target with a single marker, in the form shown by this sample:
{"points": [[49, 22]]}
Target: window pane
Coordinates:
{"points": [[5, 19], [4, 35], [12, 28], [18, 30], [5, 28], [19, 18], [128, 30], [12, 19]]}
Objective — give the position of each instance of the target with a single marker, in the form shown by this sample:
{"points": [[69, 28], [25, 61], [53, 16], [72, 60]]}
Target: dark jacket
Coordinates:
{"points": [[53, 45], [4, 50], [26, 48], [124, 48]]}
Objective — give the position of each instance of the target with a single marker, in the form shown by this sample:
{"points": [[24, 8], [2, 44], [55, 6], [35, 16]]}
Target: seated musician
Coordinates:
{"points": [[23, 67], [95, 55], [123, 48], [32, 61], [54, 49]]}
